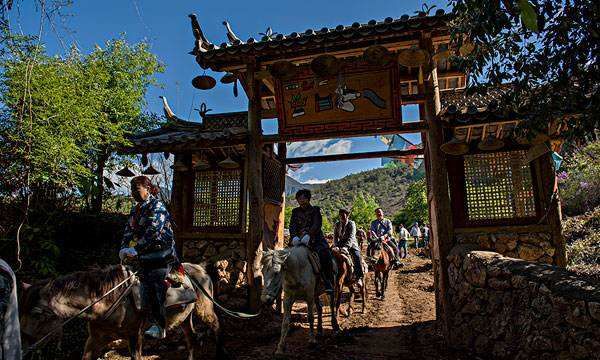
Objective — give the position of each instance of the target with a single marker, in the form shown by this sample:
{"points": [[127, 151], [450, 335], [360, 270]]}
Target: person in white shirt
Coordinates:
{"points": [[415, 232], [404, 234]]}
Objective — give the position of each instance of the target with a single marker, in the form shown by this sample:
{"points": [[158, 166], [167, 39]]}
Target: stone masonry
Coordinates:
{"points": [[526, 246], [509, 308]]}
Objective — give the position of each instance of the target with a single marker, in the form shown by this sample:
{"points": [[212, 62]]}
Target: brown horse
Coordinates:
{"points": [[346, 278], [46, 305], [382, 265]]}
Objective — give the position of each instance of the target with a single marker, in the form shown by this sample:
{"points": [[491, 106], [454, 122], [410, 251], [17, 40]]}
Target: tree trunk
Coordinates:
{"points": [[98, 192]]}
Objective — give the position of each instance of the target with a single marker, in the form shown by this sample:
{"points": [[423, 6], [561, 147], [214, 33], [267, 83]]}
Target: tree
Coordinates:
{"points": [[547, 50], [363, 210], [416, 208], [63, 117]]}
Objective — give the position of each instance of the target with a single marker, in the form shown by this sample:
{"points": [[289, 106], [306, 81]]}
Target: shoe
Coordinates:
{"points": [[156, 332]]}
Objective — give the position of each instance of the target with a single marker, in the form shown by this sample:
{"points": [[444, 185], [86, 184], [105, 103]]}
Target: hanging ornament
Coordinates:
{"points": [[325, 66], [200, 162], [229, 163], [204, 82], [125, 172], [235, 88], [145, 159], [283, 70], [150, 170]]}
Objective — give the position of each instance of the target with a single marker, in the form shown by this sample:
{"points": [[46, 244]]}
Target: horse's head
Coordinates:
{"points": [[35, 314], [272, 263]]}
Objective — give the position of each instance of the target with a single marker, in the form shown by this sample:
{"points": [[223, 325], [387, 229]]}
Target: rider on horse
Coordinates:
{"points": [[344, 236], [149, 237], [305, 229], [382, 228]]}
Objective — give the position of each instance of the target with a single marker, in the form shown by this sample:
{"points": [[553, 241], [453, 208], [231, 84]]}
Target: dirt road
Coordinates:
{"points": [[400, 327]]}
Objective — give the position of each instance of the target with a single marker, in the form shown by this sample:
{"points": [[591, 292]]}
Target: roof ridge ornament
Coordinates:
{"points": [[202, 44], [231, 36], [268, 34]]}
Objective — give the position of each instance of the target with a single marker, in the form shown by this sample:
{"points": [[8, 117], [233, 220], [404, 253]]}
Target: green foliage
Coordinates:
{"points": [[582, 235], [416, 208], [530, 44], [287, 215], [63, 117], [387, 186], [580, 181], [363, 210], [326, 225]]}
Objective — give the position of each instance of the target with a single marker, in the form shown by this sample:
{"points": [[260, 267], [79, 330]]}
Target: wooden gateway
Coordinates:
{"points": [[486, 185]]}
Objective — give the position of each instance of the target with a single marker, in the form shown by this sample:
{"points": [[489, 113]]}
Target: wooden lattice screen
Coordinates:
{"points": [[498, 186], [273, 179], [217, 200]]}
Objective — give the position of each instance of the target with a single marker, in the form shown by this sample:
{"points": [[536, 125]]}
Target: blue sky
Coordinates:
{"points": [[166, 27]]}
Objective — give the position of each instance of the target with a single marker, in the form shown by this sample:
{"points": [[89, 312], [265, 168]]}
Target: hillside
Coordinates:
{"points": [[386, 185]]}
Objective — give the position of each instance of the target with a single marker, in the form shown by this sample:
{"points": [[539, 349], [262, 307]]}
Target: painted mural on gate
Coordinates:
{"points": [[358, 98]]}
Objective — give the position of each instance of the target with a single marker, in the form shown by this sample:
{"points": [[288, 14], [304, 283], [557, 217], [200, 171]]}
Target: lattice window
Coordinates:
{"points": [[273, 179], [217, 200], [498, 186]]}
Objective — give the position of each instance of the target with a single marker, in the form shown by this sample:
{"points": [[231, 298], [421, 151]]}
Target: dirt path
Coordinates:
{"points": [[400, 327]]}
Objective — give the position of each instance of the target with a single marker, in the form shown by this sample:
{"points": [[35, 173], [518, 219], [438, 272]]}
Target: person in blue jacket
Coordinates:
{"points": [[149, 237]]}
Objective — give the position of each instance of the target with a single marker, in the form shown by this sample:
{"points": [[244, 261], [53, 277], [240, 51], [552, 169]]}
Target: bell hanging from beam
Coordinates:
{"points": [[229, 163], [457, 145], [150, 170], [201, 163], [491, 142], [125, 172]]}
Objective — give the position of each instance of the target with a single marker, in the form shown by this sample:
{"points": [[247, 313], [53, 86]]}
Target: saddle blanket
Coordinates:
{"points": [[176, 295]]}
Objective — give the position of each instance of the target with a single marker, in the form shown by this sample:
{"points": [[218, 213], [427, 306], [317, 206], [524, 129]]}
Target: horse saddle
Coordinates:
{"points": [[346, 256], [180, 291]]}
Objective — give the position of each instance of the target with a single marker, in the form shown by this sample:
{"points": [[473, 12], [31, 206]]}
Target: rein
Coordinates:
{"points": [[234, 314], [58, 327]]}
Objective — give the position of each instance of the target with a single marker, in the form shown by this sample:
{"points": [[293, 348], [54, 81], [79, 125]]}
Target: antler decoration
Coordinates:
{"points": [[268, 34], [203, 110], [426, 9], [231, 36], [202, 44]]}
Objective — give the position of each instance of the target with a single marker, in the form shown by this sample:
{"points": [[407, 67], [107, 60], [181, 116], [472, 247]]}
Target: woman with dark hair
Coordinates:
{"points": [[149, 237]]}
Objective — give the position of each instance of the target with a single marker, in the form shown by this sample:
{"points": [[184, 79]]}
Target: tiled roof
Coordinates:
{"points": [[222, 128], [456, 103], [318, 38]]}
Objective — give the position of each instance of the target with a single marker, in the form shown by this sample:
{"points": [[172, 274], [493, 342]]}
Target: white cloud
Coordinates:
{"points": [[296, 175], [338, 147], [319, 147], [317, 181]]}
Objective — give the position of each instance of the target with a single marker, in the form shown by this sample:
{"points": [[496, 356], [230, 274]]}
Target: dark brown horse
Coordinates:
{"points": [[382, 265], [346, 278], [46, 305]]}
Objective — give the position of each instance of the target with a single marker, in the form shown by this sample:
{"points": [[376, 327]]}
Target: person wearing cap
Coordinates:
{"points": [[382, 227], [344, 236], [306, 229]]}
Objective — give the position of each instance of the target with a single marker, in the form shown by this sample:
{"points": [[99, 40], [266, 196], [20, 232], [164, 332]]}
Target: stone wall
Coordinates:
{"points": [[526, 246], [514, 309], [226, 256]]}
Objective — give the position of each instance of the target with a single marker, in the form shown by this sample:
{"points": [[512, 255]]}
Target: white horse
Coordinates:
{"points": [[292, 267]]}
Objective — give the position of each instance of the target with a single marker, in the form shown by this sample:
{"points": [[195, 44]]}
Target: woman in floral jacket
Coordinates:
{"points": [[149, 236]]}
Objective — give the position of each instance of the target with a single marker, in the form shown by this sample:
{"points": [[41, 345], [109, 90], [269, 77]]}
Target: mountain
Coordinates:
{"points": [[386, 185], [292, 186]]}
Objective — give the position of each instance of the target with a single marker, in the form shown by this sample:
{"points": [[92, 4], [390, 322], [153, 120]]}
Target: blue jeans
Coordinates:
{"points": [[358, 270], [403, 246]]}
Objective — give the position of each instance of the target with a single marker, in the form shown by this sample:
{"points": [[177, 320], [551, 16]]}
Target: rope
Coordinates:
{"points": [[55, 329], [234, 314]]}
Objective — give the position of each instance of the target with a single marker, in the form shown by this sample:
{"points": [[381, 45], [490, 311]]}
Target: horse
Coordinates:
{"points": [[44, 306], [346, 278], [382, 265], [292, 269]]}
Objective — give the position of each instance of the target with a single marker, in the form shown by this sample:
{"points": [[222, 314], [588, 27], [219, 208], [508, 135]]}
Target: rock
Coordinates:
{"points": [[541, 343], [475, 272], [481, 343], [530, 252], [577, 316], [508, 241], [210, 252], [594, 308], [497, 284]]}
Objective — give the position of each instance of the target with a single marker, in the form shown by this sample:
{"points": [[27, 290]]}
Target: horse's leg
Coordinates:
{"points": [[319, 316], [285, 324], [311, 320], [350, 298], [364, 295], [206, 314], [334, 323], [135, 345], [190, 336], [95, 342]]}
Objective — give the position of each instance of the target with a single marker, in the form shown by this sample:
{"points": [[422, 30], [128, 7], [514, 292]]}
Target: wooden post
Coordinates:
{"points": [[282, 154], [176, 206], [550, 206], [255, 191], [440, 212]]}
